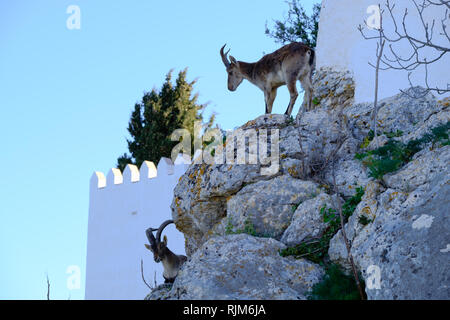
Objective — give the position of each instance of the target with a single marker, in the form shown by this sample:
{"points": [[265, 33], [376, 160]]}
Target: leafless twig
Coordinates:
{"points": [[297, 124], [143, 278], [347, 245], [317, 160], [418, 44], [48, 288], [379, 53]]}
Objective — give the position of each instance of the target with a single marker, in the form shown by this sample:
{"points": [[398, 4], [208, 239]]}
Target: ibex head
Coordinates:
{"points": [[158, 248], [234, 74]]}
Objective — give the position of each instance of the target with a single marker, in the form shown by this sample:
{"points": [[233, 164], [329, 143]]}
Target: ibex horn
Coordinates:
{"points": [[161, 228], [224, 56], [151, 238]]}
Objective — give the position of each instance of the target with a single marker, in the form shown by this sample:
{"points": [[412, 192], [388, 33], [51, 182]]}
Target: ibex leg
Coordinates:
{"points": [[270, 96], [294, 94], [307, 86]]}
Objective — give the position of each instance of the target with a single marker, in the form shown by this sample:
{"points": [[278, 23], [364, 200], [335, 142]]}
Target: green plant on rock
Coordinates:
{"points": [[291, 120], [396, 134], [229, 227], [395, 154], [441, 133], [314, 250], [367, 139], [349, 206], [371, 135], [249, 229], [317, 249], [365, 142], [335, 285], [329, 215], [295, 206], [364, 220]]}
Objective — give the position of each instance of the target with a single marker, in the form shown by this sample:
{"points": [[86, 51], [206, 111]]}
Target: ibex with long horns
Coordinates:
{"points": [[292, 62], [171, 261]]}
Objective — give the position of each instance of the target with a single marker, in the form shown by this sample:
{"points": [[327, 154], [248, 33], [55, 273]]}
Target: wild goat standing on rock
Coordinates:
{"points": [[292, 62], [171, 261]]}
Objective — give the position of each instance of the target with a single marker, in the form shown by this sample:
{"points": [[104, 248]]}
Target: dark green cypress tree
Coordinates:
{"points": [[157, 116]]}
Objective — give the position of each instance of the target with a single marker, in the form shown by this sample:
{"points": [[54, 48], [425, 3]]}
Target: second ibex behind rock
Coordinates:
{"points": [[171, 261], [292, 62]]}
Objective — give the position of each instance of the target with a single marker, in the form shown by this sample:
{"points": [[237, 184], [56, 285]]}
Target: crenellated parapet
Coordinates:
{"points": [[122, 205], [133, 174]]}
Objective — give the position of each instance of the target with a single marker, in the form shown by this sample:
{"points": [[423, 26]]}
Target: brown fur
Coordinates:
{"points": [[161, 253], [273, 60], [292, 62]]}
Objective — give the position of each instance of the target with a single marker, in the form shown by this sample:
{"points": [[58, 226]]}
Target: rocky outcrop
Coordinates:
{"points": [[426, 166], [400, 113], [402, 251], [267, 205], [206, 194], [333, 89], [161, 292], [242, 267], [306, 222], [399, 232], [396, 260]]}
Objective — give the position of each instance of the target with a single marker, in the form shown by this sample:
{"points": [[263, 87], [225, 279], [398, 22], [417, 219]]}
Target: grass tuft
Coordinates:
{"points": [[395, 154], [336, 285], [316, 250]]}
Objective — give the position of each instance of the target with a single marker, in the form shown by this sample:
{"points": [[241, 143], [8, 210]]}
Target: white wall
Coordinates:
{"points": [[341, 46], [121, 208]]}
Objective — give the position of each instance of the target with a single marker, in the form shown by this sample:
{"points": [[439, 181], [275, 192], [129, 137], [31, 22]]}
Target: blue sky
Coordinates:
{"points": [[65, 101]]}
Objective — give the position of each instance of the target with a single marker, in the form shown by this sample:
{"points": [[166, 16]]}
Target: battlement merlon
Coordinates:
{"points": [[132, 174]]}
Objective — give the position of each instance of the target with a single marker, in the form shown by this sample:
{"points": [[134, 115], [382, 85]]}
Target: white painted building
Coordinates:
{"points": [[341, 46], [121, 208]]}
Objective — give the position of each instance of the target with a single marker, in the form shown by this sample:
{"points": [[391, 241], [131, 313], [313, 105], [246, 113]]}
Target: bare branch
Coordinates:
{"points": [[48, 288], [143, 278], [379, 53], [297, 122], [444, 26], [414, 60], [347, 245], [440, 2]]}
